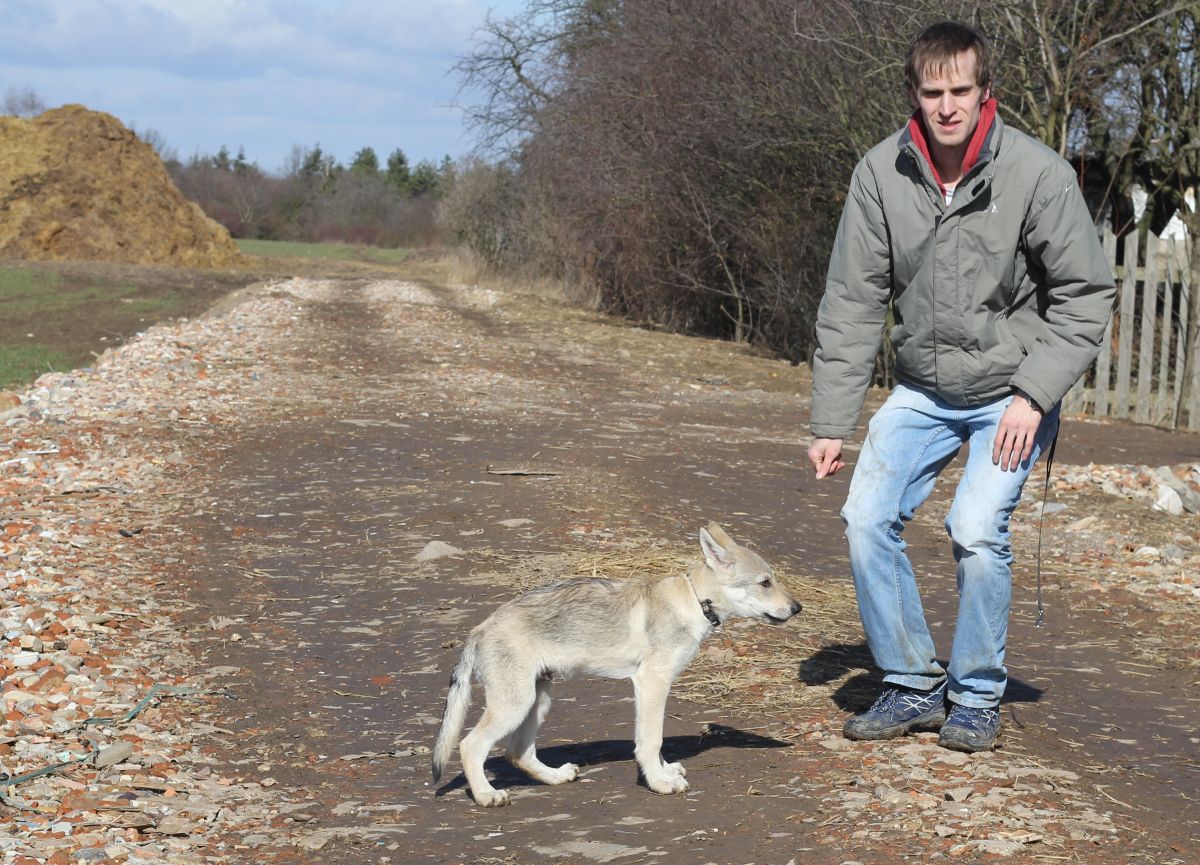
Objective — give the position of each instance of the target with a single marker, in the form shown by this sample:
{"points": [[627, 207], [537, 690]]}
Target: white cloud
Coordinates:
{"points": [[263, 73]]}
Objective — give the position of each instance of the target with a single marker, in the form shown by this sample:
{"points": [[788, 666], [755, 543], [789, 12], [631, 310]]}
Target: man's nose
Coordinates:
{"points": [[946, 105]]}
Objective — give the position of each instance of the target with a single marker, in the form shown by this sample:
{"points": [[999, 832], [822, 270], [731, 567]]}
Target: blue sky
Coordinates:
{"points": [[263, 74]]}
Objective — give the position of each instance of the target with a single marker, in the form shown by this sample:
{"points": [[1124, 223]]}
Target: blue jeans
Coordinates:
{"points": [[909, 441]]}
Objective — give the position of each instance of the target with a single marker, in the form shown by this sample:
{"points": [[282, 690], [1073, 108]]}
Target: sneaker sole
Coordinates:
{"points": [[928, 722], [956, 743]]}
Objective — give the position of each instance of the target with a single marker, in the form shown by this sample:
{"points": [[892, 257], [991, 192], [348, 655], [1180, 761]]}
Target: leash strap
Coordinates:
{"points": [[1041, 611]]}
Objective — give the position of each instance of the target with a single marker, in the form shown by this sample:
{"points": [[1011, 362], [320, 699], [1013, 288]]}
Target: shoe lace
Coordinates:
{"points": [[979, 718], [901, 698], [915, 701], [885, 701]]}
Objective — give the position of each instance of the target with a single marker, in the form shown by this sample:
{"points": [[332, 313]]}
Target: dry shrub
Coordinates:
{"points": [[686, 162]]}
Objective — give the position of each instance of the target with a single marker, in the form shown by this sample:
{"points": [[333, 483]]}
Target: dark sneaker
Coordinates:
{"points": [[898, 711], [969, 729]]}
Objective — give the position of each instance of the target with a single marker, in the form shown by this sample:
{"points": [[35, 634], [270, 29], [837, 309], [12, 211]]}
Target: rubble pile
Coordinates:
{"points": [[1172, 489], [106, 737], [1157, 556], [959, 805]]}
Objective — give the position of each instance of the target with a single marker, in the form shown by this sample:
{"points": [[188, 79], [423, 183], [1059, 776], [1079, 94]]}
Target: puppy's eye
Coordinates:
{"points": [[766, 584]]}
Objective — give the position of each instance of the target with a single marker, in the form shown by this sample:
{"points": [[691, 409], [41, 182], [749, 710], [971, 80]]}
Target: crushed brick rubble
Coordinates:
{"points": [[958, 805], [88, 615], [1132, 527], [99, 678]]}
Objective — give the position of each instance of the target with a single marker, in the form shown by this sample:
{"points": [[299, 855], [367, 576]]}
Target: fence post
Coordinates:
{"points": [[1104, 360], [1193, 337], [1125, 326], [1175, 266], [1143, 411]]}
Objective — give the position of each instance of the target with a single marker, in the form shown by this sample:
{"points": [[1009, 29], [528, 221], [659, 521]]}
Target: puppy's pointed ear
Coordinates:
{"points": [[720, 536], [718, 556]]}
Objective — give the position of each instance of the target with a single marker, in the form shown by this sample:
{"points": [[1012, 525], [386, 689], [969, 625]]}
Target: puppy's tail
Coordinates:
{"points": [[457, 703]]}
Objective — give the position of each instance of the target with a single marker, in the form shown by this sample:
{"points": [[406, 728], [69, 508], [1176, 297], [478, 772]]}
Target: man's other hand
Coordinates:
{"points": [[1016, 433], [826, 456]]}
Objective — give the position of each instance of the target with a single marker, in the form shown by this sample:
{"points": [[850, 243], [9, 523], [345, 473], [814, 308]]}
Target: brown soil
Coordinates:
{"points": [[389, 408], [77, 184], [370, 418]]}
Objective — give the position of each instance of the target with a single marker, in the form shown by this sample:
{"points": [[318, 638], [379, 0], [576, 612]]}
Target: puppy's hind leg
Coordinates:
{"points": [[522, 751], [508, 705]]}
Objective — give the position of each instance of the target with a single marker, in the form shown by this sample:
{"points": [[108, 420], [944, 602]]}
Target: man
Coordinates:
{"points": [[978, 238]]}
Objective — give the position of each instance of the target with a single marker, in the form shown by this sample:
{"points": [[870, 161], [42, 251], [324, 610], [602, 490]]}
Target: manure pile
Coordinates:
{"points": [[78, 185]]}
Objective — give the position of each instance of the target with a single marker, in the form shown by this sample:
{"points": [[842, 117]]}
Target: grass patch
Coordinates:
{"points": [[21, 363], [60, 316], [323, 251]]}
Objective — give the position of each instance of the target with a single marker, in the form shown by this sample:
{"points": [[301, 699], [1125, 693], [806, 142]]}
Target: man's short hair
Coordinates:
{"points": [[936, 47]]}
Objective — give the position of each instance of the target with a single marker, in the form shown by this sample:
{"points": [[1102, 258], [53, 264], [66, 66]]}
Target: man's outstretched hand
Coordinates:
{"points": [[826, 456]]}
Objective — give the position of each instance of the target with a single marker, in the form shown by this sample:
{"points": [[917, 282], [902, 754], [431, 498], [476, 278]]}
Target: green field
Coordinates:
{"points": [[323, 251], [56, 317]]}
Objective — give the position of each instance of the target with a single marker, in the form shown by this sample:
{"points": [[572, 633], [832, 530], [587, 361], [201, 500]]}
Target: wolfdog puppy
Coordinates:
{"points": [[647, 631]]}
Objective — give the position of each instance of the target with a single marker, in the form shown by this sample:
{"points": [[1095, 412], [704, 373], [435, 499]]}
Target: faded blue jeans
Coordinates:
{"points": [[909, 441]]}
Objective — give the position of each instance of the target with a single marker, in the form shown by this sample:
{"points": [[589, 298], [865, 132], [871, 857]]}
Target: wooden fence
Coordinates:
{"points": [[1139, 372]]}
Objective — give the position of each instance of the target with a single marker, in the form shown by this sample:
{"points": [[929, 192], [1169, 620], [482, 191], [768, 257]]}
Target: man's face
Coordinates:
{"points": [[949, 100]]}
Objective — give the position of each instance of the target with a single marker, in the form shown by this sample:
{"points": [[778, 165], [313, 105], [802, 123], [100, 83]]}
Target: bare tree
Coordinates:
{"points": [[519, 64], [22, 102]]}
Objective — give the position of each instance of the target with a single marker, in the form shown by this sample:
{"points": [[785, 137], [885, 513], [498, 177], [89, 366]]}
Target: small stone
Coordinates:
{"points": [[1062, 776], [1173, 553], [113, 754], [21, 660], [438, 550], [998, 846], [834, 743], [956, 809], [1167, 499], [174, 826]]}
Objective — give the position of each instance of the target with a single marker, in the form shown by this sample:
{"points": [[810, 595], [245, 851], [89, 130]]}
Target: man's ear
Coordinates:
{"points": [[986, 94]]}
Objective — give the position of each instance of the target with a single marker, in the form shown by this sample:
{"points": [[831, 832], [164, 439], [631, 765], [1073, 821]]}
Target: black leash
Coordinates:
{"points": [[1041, 611]]}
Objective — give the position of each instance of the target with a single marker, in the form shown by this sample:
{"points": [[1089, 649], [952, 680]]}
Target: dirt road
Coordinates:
{"points": [[545, 442]]}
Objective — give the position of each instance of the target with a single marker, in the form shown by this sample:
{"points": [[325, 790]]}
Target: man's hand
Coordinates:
{"points": [[826, 456], [1015, 434]]}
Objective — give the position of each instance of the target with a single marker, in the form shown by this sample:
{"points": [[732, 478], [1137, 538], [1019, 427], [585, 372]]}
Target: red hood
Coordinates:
{"points": [[916, 128]]}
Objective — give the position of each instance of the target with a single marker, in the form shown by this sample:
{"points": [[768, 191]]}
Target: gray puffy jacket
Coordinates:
{"points": [[1005, 287]]}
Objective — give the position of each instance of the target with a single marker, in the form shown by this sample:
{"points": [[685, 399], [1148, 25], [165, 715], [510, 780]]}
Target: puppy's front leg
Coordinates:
{"points": [[650, 688]]}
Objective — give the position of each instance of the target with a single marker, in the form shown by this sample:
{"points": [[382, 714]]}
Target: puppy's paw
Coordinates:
{"points": [[667, 784], [493, 799], [564, 774], [675, 769]]}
